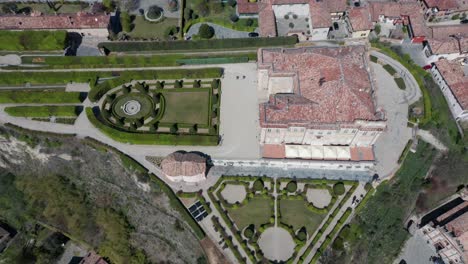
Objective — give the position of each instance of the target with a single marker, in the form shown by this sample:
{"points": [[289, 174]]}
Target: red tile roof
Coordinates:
{"points": [[445, 31], [93, 258], [448, 45], [459, 225], [274, 151], [320, 15], [360, 18], [333, 86], [410, 12], [246, 7], [362, 154], [456, 79], [62, 21], [183, 164], [266, 20]]}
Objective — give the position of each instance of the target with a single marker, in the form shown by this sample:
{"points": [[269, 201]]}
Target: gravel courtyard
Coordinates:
{"points": [[277, 244], [233, 193], [318, 197]]}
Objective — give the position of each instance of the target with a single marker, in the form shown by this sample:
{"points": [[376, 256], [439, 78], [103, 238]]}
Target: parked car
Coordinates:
{"points": [[253, 34], [464, 21], [427, 67]]}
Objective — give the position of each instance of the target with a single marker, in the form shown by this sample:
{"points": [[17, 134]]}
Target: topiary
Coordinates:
{"points": [[258, 185], [302, 234], [291, 25], [205, 31], [234, 18], [249, 22], [196, 84], [249, 231], [291, 186], [154, 12], [174, 128], [339, 188], [178, 84]]}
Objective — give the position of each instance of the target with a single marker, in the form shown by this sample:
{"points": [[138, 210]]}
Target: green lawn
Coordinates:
{"points": [[145, 29], [186, 106], [401, 83], [39, 97], [257, 211], [43, 111], [389, 69], [296, 213]]}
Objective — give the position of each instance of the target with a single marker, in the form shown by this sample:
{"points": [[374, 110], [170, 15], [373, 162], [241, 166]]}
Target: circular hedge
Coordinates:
{"points": [[258, 185], [154, 12], [145, 101], [205, 31], [291, 186], [302, 234], [339, 188], [249, 231]]}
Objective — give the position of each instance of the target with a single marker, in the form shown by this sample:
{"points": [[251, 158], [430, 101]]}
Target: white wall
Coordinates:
{"points": [[320, 33], [360, 34], [457, 111]]}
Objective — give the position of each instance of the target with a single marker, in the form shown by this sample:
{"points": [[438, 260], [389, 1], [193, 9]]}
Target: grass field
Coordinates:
{"points": [[43, 111], [401, 83], [257, 211], [185, 106], [39, 97], [389, 69], [147, 30], [295, 213]]}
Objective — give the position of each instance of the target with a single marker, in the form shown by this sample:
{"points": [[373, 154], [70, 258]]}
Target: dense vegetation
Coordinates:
{"points": [[212, 44], [43, 111], [57, 201], [32, 40], [40, 97]]}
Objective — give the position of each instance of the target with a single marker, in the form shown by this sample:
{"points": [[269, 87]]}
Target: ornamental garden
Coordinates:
{"points": [[278, 220]]}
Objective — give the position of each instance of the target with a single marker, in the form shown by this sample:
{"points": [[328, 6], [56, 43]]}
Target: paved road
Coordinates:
{"points": [[220, 31], [395, 102]]}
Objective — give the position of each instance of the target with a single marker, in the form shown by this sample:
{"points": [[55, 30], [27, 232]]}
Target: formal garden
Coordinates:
{"points": [[304, 210]]}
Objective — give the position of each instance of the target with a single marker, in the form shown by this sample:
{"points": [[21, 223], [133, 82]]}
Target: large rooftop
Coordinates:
{"points": [[456, 78], [63, 21], [332, 84]]}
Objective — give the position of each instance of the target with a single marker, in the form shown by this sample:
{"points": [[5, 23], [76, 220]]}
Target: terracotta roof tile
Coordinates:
{"points": [[456, 79], [274, 151], [246, 7], [333, 86], [445, 31], [360, 18], [62, 21], [320, 15], [442, 4], [362, 154], [93, 258], [447, 45], [183, 164], [459, 225]]}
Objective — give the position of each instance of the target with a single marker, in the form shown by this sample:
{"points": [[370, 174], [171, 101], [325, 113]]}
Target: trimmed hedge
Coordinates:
{"points": [[400, 83], [32, 40], [214, 44], [98, 90], [39, 97], [43, 111], [389, 69], [150, 139]]}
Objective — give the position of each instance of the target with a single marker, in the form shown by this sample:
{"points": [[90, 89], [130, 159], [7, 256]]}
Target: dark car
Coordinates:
{"points": [[253, 34], [464, 21], [427, 67]]}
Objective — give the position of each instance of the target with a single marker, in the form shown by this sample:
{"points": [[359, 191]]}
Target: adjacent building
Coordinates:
{"points": [[360, 22], [317, 103], [92, 258], [452, 77], [309, 19], [449, 42], [449, 234], [86, 23], [184, 166]]}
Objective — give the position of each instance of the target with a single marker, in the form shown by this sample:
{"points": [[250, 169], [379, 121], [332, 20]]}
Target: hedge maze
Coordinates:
{"points": [[295, 212]]}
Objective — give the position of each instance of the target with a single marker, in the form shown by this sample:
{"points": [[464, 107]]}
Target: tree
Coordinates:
{"points": [[215, 84], [188, 14], [171, 31], [302, 234], [109, 5], [179, 84], [125, 22], [10, 8], [159, 85], [173, 5], [339, 188], [232, 3], [234, 18], [377, 29], [174, 128], [154, 12], [249, 22], [291, 186], [203, 9], [196, 84], [193, 129], [217, 7], [258, 185], [205, 31], [249, 231]]}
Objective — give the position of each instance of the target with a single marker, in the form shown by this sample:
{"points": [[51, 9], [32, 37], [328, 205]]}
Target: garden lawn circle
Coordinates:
{"points": [[234, 193], [320, 198], [133, 105], [277, 244]]}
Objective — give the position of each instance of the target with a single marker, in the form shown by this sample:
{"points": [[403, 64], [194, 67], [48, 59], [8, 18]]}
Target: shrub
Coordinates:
{"points": [[291, 25], [339, 188], [174, 129], [171, 31], [232, 3], [173, 5], [205, 31], [258, 185], [249, 22], [188, 14], [196, 84], [302, 234], [125, 21], [154, 12], [291, 186], [286, 16], [249, 231], [234, 18], [178, 84], [294, 16]]}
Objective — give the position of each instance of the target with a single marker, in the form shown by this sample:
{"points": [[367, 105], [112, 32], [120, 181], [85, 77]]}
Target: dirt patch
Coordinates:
{"points": [[213, 254], [320, 198]]}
